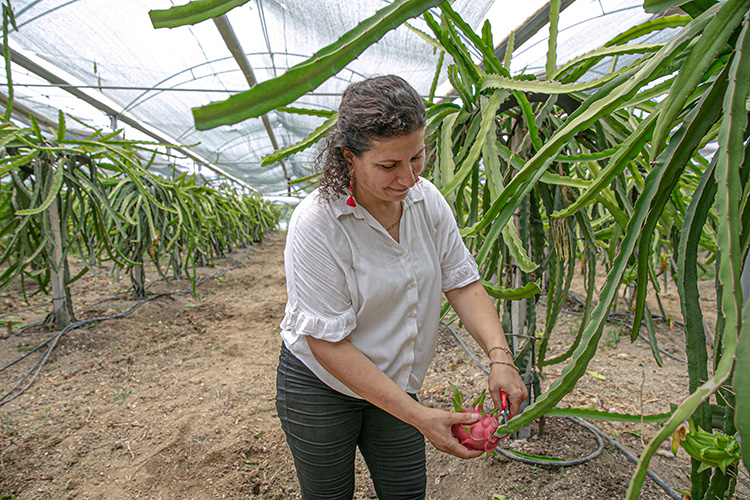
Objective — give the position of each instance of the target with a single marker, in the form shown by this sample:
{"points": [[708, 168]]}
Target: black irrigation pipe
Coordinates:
{"points": [[52, 341], [671, 492], [40, 304], [561, 463], [116, 297], [598, 434]]}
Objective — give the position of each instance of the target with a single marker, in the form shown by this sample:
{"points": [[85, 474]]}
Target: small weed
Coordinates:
{"points": [[8, 428], [636, 434], [614, 337], [573, 328], [121, 396], [27, 348], [45, 414], [706, 272], [11, 322], [455, 365]]}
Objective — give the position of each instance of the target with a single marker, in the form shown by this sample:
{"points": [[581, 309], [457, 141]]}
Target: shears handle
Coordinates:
{"points": [[505, 412]]}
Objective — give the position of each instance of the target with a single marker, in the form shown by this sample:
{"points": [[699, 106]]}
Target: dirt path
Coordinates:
{"points": [[176, 402]]}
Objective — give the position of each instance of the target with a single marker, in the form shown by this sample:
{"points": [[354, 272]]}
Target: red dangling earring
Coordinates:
{"points": [[350, 201], [416, 179]]}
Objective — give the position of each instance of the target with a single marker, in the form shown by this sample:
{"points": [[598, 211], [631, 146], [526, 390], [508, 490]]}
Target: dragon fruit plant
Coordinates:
{"points": [[481, 434]]}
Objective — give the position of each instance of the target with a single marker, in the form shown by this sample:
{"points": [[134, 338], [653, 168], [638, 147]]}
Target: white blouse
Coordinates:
{"points": [[346, 275]]}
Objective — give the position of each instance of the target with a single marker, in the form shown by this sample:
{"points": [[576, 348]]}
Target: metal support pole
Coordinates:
{"points": [[233, 44]]}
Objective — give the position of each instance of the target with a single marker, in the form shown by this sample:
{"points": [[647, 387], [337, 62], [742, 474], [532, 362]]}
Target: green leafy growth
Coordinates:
{"points": [[527, 291], [193, 12], [308, 141]]}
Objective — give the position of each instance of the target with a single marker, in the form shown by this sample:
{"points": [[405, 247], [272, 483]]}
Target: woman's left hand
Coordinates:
{"points": [[477, 311], [506, 378]]}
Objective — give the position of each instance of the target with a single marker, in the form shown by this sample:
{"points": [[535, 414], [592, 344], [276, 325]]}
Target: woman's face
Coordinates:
{"points": [[384, 174]]}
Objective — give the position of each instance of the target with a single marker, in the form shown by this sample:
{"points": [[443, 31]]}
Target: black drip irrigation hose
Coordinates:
{"points": [[634, 459], [598, 434], [561, 463], [48, 302], [116, 297], [50, 344]]}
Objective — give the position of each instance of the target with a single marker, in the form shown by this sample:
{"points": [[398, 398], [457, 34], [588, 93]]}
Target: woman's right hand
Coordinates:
{"points": [[436, 424]]}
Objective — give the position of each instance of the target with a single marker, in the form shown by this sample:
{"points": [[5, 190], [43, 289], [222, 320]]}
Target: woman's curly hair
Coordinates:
{"points": [[376, 108]]}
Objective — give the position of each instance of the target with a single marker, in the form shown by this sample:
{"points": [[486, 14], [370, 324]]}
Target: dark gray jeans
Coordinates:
{"points": [[323, 429]]}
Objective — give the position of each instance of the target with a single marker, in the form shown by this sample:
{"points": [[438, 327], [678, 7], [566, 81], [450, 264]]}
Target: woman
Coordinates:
{"points": [[367, 257]]}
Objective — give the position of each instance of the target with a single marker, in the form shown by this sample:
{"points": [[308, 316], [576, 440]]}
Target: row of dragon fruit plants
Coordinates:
{"points": [[96, 200]]}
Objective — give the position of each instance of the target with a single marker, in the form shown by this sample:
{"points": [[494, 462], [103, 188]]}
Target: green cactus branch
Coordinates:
{"points": [[310, 74]]}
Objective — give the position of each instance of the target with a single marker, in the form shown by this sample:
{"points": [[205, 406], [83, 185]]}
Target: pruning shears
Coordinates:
{"points": [[504, 414]]}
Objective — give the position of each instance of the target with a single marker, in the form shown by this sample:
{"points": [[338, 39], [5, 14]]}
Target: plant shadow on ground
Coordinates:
{"points": [[177, 401]]}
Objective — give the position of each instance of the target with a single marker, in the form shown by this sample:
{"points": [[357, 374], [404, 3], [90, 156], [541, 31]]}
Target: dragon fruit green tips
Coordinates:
{"points": [[481, 434]]}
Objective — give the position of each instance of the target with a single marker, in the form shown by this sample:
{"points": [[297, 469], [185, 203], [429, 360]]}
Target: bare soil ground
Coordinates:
{"points": [[176, 401]]}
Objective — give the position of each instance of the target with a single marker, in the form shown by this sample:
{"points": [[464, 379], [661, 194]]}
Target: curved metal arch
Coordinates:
{"points": [[132, 104], [222, 147], [135, 102], [234, 140], [35, 2], [190, 130], [156, 91]]}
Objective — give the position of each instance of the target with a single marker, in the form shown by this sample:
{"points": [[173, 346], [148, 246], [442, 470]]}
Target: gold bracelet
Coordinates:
{"points": [[504, 349], [505, 363]]}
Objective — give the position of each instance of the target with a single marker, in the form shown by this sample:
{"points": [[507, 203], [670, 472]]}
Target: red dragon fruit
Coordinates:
{"points": [[481, 434]]}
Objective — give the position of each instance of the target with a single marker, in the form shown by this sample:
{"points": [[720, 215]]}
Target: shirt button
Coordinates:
{"points": [[405, 256], [412, 284], [412, 314]]}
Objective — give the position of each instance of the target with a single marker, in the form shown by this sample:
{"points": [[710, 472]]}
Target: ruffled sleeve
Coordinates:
{"points": [[318, 264]]}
